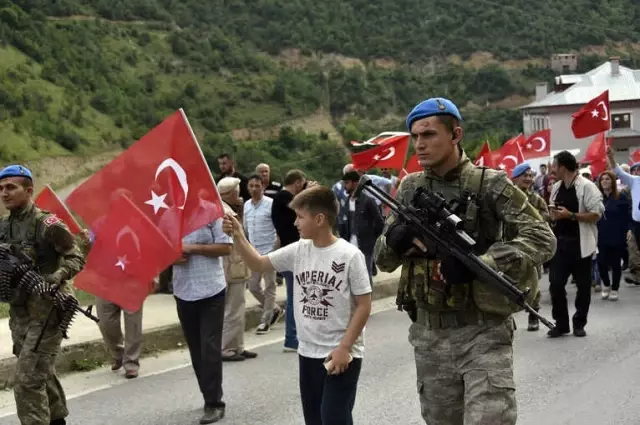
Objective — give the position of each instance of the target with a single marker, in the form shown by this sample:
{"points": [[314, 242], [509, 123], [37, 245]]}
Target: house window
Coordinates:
{"points": [[621, 120], [539, 123]]}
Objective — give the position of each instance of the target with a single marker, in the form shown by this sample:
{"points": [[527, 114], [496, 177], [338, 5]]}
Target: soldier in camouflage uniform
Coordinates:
{"points": [[522, 177], [40, 399], [463, 330]]}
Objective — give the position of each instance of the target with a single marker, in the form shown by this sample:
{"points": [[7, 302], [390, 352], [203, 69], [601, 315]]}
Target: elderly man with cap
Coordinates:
{"points": [[462, 330], [53, 251], [522, 177], [237, 274]]}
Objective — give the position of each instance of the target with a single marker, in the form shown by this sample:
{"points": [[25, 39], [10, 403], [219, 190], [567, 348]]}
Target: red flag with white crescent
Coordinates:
{"points": [[537, 145], [166, 176], [389, 154], [592, 118], [376, 140], [508, 156]]}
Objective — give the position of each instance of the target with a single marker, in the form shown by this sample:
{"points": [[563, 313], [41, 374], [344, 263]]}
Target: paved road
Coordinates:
{"points": [[572, 381]]}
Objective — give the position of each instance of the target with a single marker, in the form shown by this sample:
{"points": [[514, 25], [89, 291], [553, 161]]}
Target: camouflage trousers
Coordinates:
{"points": [[37, 390], [465, 375], [536, 300]]}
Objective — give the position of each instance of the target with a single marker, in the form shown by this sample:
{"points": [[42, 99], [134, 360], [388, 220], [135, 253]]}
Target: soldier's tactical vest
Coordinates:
{"points": [[28, 235], [422, 284]]}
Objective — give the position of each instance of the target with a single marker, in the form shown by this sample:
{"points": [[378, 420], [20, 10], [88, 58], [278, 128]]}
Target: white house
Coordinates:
{"points": [[553, 110]]}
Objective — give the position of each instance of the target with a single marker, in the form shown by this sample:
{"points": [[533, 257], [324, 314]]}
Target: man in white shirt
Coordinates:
{"points": [[261, 234], [575, 206]]}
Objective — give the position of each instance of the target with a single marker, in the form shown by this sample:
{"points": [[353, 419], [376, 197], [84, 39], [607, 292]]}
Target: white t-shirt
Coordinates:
{"points": [[324, 285]]}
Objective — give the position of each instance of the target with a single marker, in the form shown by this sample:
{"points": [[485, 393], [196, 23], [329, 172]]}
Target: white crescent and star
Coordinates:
{"points": [[543, 144], [122, 261], [390, 153], [157, 201], [509, 157], [595, 113]]}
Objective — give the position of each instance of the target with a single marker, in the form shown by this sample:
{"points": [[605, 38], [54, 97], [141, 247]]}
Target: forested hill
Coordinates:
{"points": [[407, 30], [84, 76]]}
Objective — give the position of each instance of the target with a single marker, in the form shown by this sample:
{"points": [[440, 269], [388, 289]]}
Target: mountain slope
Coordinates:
{"points": [[79, 76]]}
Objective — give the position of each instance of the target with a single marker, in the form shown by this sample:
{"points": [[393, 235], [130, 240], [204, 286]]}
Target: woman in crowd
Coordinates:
{"points": [[612, 231], [548, 182]]}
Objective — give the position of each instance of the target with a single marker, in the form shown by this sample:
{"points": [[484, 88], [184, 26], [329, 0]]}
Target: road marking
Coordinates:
{"points": [[7, 400]]}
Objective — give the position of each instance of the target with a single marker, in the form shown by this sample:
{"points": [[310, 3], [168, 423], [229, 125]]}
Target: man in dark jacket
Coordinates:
{"points": [[364, 221]]}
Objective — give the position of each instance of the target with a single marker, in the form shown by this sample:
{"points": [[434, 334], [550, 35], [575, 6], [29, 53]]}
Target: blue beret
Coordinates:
{"points": [[431, 107], [635, 165], [520, 170], [15, 171]]}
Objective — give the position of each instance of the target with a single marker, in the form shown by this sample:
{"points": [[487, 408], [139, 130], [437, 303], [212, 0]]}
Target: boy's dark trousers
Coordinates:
{"points": [[327, 399]]}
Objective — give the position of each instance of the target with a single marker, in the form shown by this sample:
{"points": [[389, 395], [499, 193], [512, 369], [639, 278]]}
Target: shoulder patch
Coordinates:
{"points": [[51, 220], [508, 191]]}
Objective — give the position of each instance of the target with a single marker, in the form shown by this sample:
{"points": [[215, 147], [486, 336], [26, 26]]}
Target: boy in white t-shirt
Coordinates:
{"points": [[332, 302]]}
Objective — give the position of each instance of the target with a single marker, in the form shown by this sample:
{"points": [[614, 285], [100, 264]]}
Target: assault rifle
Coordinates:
{"points": [[436, 226], [16, 273]]}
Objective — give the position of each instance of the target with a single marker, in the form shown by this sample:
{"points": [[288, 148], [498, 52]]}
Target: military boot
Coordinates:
{"points": [[534, 323]]}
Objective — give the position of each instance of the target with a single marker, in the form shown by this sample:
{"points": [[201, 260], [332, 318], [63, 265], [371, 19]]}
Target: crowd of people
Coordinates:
{"points": [[326, 243]]}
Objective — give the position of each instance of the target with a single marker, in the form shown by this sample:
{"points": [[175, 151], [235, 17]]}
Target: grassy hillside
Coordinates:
{"points": [[74, 84]]}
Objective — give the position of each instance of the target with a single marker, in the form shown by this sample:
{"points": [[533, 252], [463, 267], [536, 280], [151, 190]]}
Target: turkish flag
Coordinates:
{"points": [[48, 200], [538, 145], [596, 155], [508, 156], [166, 176], [391, 153], [412, 165], [376, 140], [483, 158], [127, 255], [592, 118]]}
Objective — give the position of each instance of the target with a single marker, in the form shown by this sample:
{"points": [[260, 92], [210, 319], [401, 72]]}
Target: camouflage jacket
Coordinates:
{"points": [[49, 244], [499, 202], [511, 231]]}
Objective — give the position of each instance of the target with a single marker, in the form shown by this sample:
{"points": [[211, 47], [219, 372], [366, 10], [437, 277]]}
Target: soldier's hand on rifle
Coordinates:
{"points": [[400, 238]]}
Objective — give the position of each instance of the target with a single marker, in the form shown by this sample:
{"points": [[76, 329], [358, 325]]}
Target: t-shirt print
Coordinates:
{"points": [[326, 280], [318, 289]]}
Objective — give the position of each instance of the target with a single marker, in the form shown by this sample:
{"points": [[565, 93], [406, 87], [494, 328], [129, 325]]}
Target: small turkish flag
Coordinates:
{"points": [[508, 156], [592, 118], [129, 252], [391, 153], [166, 176], [483, 158], [538, 145], [412, 165], [48, 200]]}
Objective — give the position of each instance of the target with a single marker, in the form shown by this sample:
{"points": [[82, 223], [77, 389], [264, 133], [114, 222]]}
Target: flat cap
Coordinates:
{"points": [[227, 184]]}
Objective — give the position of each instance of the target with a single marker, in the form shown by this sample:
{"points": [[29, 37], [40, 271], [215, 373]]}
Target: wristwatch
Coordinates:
{"points": [[573, 216]]}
